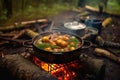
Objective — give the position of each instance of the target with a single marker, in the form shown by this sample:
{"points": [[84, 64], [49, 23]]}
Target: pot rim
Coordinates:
{"points": [[73, 25]]}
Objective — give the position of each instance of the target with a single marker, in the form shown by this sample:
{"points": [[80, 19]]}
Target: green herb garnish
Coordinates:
{"points": [[45, 45]]}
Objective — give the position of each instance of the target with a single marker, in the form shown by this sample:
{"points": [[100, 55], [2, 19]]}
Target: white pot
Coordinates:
{"points": [[75, 27]]}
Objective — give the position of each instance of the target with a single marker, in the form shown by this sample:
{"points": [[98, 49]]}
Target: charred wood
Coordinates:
{"points": [[93, 66], [22, 69]]}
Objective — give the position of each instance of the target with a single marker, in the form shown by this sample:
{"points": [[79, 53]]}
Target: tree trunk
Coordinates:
{"points": [[7, 5], [81, 3]]}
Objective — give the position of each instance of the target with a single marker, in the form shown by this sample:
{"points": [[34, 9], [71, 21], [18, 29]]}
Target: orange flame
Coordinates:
{"points": [[2, 55], [61, 71]]}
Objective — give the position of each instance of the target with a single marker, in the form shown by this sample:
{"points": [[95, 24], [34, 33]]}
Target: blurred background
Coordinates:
{"points": [[19, 10]]}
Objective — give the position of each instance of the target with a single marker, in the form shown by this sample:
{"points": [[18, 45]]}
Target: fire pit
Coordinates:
{"points": [[61, 71]]}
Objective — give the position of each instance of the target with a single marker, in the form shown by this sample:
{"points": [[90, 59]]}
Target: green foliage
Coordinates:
{"points": [[3, 15], [112, 6], [34, 9]]}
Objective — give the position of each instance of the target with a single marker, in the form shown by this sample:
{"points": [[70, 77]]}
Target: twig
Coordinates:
{"points": [[19, 34], [51, 26], [3, 42], [7, 34], [13, 40]]}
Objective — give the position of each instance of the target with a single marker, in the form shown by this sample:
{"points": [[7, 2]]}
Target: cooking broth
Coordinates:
{"points": [[57, 42]]}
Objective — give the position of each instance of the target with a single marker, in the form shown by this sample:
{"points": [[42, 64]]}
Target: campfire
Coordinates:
{"points": [[61, 71]]}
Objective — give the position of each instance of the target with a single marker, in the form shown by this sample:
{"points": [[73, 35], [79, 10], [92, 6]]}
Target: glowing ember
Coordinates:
{"points": [[2, 55], [61, 71]]}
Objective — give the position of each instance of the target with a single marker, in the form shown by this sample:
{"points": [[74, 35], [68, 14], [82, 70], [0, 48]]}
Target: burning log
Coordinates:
{"points": [[103, 52], [94, 66], [22, 69]]}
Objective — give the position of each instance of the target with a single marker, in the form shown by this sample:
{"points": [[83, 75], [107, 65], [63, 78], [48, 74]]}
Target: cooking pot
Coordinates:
{"points": [[58, 57], [75, 27], [95, 23]]}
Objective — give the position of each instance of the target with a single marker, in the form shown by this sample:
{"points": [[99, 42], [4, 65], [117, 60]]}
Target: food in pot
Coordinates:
{"points": [[58, 42]]}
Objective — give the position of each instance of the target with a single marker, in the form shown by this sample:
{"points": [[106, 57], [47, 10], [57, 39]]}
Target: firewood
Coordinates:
{"points": [[12, 27], [20, 25], [33, 21], [94, 66], [22, 69], [91, 8], [31, 33], [12, 40], [7, 34], [106, 22], [107, 44], [19, 34], [3, 42], [108, 54], [40, 27]]}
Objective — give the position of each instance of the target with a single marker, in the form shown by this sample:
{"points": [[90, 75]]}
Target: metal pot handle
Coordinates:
{"points": [[28, 43], [87, 44]]}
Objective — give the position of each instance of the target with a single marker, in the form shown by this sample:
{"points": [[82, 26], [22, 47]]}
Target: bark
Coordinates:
{"points": [[22, 69]]}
